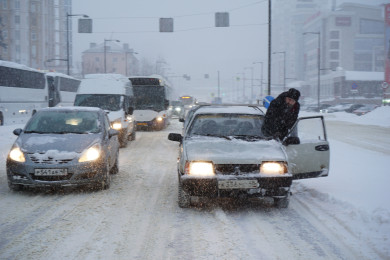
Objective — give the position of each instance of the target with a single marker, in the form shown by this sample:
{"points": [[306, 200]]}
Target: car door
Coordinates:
{"points": [[310, 158]]}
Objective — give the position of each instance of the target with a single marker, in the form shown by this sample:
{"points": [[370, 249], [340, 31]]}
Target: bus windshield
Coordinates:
{"points": [[149, 97], [103, 101]]}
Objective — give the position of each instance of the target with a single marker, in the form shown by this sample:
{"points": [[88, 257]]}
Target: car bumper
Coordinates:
{"points": [[88, 173], [211, 187], [154, 124]]}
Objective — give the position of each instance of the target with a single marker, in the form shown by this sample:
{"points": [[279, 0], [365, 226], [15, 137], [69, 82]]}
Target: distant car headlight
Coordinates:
{"points": [[201, 169], [273, 168], [117, 125], [178, 109], [17, 155], [159, 119], [91, 154]]}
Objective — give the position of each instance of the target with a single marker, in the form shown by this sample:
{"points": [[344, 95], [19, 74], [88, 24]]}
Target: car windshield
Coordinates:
{"points": [[227, 125], [60, 122], [104, 101]]}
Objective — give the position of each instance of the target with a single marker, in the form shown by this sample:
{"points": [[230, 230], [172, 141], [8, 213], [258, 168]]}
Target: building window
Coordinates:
{"points": [[33, 36], [368, 26], [115, 59], [5, 35], [334, 35], [97, 59], [334, 65], [34, 20], [17, 35], [333, 45], [34, 51], [17, 4], [17, 19], [4, 4], [334, 55]]}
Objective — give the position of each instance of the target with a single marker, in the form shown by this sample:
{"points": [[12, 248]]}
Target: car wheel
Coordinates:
{"points": [[115, 168], [184, 197], [133, 135], [15, 187], [282, 203], [107, 179], [123, 141]]}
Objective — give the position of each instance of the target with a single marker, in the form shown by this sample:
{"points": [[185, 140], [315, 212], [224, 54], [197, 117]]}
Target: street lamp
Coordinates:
{"points": [[261, 78], [318, 65], [105, 64], [127, 52], [284, 68], [251, 68], [67, 38]]}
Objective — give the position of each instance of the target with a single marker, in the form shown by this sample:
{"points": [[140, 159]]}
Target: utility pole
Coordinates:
{"points": [[269, 47]]}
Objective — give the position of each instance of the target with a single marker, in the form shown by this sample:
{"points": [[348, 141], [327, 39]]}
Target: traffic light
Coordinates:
{"points": [[222, 19], [166, 24]]}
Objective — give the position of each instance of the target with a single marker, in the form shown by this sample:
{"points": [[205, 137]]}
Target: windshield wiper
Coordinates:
{"points": [[34, 132], [249, 137], [220, 136]]}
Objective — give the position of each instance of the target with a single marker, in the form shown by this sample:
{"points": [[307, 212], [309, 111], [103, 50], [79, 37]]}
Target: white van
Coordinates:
{"points": [[113, 93]]}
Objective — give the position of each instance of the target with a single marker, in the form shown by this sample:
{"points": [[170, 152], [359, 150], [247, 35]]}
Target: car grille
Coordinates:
{"points": [[48, 160], [236, 169]]}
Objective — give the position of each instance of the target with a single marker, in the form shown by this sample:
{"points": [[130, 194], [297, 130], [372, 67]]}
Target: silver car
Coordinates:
{"points": [[223, 153], [64, 146]]}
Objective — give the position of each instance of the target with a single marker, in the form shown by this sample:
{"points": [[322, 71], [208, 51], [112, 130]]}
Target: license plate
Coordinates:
{"points": [[142, 123], [238, 184], [51, 172]]}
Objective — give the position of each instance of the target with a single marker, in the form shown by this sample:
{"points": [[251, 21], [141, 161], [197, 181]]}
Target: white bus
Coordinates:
{"points": [[113, 93], [24, 90], [151, 96]]}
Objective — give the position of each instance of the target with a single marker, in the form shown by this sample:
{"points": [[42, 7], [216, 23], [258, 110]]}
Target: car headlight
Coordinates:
{"points": [[178, 109], [17, 155], [159, 119], [117, 125], [201, 169], [91, 154], [273, 168]]}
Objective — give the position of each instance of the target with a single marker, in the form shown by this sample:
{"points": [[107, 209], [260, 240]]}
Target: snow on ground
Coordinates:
{"points": [[355, 197]]}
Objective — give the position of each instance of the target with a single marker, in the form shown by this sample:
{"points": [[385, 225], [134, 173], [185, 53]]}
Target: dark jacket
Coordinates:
{"points": [[280, 117]]}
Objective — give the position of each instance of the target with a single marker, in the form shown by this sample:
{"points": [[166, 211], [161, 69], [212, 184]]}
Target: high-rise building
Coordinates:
{"points": [[351, 52], [288, 18], [34, 33]]}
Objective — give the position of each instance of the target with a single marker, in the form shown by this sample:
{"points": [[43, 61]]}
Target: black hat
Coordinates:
{"points": [[293, 93]]}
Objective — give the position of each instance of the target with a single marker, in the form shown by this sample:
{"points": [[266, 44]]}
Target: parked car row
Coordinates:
{"points": [[223, 153], [358, 109]]}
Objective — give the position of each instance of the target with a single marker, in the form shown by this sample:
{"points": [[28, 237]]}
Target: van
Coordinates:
{"points": [[114, 94]]}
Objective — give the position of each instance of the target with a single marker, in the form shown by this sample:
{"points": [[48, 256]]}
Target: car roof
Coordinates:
{"points": [[229, 109], [70, 108]]}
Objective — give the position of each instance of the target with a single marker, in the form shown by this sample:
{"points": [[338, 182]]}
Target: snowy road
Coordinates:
{"points": [[138, 218]]}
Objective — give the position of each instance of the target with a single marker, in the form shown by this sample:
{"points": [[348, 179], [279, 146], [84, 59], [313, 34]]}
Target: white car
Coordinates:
{"points": [[223, 153]]}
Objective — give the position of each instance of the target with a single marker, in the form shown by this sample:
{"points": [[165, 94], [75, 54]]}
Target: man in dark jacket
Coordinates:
{"points": [[281, 114]]}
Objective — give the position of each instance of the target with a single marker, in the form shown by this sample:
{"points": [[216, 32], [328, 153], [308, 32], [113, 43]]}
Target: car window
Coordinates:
{"points": [[226, 125], [78, 122]]}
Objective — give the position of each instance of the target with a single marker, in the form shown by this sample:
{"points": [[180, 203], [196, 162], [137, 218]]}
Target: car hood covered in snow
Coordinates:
{"points": [[235, 151], [40, 143]]}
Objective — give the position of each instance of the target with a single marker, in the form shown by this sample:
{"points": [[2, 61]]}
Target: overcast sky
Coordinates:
{"points": [[195, 47]]}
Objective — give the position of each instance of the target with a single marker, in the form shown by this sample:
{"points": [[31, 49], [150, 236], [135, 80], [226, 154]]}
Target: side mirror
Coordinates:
{"points": [[130, 111], [18, 131], [291, 140], [181, 120], [112, 132], [175, 137]]}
